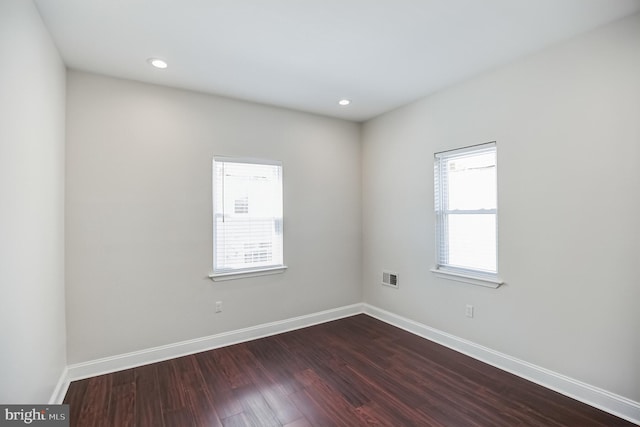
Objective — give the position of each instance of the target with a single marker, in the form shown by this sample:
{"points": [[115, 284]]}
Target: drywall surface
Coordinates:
{"points": [[32, 108], [139, 214], [567, 125]]}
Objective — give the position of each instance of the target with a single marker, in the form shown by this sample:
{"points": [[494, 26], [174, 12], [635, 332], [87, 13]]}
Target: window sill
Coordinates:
{"points": [[219, 277], [488, 282]]}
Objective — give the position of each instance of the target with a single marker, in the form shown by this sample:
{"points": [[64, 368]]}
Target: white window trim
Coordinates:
{"points": [[244, 273], [220, 277], [473, 277], [253, 160], [488, 281]]}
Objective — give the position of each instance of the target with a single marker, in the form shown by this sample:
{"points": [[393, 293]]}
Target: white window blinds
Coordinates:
{"points": [[247, 215], [466, 210]]}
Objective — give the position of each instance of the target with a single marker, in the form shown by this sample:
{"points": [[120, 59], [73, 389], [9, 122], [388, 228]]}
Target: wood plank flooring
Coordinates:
{"points": [[352, 372]]}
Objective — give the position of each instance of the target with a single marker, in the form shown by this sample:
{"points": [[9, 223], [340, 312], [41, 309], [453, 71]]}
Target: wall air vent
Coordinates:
{"points": [[390, 279]]}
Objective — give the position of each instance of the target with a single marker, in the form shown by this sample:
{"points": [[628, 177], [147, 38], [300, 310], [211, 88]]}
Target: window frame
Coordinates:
{"points": [[230, 274], [442, 269]]}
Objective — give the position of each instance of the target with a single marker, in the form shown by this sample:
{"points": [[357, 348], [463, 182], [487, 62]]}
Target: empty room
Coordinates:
{"points": [[320, 213]]}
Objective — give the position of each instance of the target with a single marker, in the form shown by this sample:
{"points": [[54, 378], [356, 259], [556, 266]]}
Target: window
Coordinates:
{"points": [[247, 217], [467, 214]]}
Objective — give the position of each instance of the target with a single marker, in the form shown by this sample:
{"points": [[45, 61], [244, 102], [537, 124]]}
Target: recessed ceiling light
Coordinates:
{"points": [[158, 63], [344, 102]]}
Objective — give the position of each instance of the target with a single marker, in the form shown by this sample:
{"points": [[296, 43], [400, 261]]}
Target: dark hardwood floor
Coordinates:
{"points": [[356, 371]]}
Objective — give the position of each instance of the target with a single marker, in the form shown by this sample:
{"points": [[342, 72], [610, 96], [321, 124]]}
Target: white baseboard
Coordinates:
{"points": [[609, 402], [61, 388], [593, 396], [157, 354]]}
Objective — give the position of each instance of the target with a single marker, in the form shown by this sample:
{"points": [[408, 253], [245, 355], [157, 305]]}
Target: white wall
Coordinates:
{"points": [[139, 225], [567, 126], [32, 312]]}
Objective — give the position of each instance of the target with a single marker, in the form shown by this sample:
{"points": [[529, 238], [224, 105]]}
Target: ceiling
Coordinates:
{"points": [[308, 54]]}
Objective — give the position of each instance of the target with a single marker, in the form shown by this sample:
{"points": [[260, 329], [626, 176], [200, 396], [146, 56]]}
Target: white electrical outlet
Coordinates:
{"points": [[468, 310], [218, 306]]}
